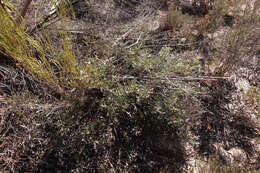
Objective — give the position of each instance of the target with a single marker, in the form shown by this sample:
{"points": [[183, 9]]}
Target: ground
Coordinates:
{"points": [[181, 92]]}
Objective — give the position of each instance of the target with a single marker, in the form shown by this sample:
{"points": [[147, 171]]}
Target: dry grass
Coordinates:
{"points": [[129, 102]]}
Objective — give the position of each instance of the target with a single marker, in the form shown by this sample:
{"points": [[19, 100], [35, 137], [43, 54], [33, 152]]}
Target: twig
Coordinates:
{"points": [[4, 6], [49, 17], [137, 41], [168, 77], [123, 37]]}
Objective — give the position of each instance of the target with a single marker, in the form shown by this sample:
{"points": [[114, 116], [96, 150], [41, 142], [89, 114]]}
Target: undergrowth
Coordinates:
{"points": [[119, 109], [215, 165], [114, 108]]}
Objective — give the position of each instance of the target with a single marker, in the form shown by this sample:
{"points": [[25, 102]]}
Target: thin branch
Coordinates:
{"points": [[50, 17], [137, 41], [23, 12], [169, 77]]}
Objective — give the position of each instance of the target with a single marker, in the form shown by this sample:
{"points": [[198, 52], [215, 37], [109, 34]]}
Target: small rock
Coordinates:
{"points": [[183, 39], [238, 155], [243, 85]]}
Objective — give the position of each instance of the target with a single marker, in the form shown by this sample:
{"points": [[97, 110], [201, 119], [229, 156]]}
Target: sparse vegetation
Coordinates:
{"points": [[117, 98], [215, 165]]}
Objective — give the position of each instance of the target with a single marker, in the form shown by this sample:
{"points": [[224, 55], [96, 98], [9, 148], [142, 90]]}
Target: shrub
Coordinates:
{"points": [[228, 45], [118, 103]]}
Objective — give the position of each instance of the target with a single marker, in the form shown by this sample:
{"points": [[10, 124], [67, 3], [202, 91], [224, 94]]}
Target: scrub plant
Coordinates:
{"points": [[39, 57]]}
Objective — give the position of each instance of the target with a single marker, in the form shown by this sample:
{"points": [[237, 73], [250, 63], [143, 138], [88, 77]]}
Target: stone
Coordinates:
{"points": [[238, 155]]}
